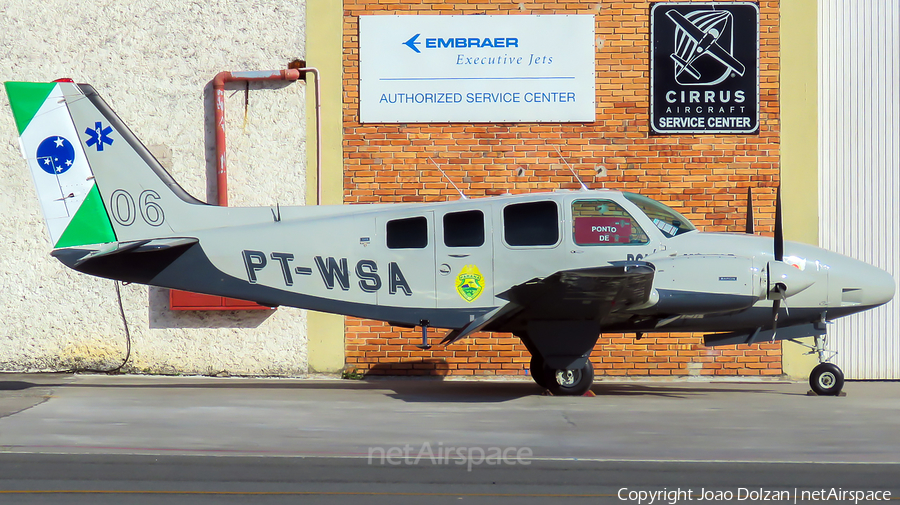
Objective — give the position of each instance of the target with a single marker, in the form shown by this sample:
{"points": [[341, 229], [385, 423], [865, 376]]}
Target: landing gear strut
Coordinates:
{"points": [[538, 372], [826, 379], [561, 365]]}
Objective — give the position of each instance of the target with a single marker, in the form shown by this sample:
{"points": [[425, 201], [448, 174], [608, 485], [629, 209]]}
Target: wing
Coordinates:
{"points": [[759, 335], [588, 294], [686, 25], [722, 55], [478, 324]]}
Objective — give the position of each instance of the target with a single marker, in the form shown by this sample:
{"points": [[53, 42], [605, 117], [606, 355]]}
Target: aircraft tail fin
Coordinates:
{"points": [[70, 201], [96, 182], [685, 66]]}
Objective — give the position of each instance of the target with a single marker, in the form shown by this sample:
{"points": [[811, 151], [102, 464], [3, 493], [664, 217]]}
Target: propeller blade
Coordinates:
{"points": [[775, 306], [777, 295], [749, 227], [779, 231]]}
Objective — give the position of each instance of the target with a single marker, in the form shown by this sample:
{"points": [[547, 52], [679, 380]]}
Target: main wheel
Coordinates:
{"points": [[826, 379], [539, 372], [573, 382]]}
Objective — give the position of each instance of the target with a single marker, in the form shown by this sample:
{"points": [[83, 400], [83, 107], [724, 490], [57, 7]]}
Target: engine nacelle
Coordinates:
{"points": [[705, 284]]}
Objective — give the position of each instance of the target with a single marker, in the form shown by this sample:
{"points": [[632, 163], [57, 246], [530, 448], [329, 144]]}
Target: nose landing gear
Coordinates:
{"points": [[826, 379]]}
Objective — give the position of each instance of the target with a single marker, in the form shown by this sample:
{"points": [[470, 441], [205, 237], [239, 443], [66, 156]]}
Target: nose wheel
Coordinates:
{"points": [[826, 379]]}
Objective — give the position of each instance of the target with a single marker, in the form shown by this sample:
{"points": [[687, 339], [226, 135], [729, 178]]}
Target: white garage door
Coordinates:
{"points": [[859, 167]]}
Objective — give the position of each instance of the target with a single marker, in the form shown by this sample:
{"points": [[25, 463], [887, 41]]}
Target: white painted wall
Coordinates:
{"points": [[153, 61], [859, 160]]}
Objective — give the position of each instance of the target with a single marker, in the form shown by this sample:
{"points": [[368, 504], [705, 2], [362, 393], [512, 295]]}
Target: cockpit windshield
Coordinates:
{"points": [[669, 221]]}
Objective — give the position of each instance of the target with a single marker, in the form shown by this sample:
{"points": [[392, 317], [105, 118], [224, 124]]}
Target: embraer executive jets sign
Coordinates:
{"points": [[470, 69], [704, 67]]}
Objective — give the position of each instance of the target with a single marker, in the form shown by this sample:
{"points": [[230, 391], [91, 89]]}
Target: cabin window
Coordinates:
{"points": [[531, 224], [464, 229], [410, 233], [604, 222]]}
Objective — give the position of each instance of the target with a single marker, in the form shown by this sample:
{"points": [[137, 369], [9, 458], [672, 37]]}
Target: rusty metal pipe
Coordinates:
{"points": [[291, 74]]}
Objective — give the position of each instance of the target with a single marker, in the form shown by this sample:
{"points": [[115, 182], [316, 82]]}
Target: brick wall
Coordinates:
{"points": [[703, 176]]}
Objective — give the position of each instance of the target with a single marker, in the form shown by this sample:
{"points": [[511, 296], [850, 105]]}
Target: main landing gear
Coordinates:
{"points": [[561, 365], [826, 379], [564, 382]]}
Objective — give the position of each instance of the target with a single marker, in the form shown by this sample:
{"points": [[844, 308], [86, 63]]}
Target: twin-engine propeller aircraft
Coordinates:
{"points": [[555, 269]]}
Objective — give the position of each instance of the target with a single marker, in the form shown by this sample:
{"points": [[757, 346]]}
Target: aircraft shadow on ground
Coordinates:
{"points": [[670, 391], [19, 385], [418, 389]]}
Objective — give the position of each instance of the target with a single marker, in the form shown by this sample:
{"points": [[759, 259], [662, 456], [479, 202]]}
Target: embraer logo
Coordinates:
{"points": [[412, 43], [704, 33], [460, 42]]}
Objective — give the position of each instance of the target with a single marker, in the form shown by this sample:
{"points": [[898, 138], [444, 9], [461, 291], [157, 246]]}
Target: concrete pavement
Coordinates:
{"points": [[124, 439], [669, 421]]}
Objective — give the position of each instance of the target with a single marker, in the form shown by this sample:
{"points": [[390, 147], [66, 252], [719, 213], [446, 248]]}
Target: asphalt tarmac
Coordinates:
{"points": [[114, 439]]}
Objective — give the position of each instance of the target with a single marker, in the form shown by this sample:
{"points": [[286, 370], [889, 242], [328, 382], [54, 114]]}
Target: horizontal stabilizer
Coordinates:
{"points": [[136, 246], [686, 66]]}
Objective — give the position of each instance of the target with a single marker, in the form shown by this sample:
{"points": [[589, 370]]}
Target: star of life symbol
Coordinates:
{"points": [[98, 136], [704, 37], [55, 155]]}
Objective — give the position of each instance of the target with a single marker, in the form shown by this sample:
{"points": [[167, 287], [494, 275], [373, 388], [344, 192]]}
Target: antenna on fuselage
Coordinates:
{"points": [[461, 194], [583, 187]]}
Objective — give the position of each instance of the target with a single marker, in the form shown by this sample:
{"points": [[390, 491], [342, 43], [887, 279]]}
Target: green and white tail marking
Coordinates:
{"points": [[54, 150]]}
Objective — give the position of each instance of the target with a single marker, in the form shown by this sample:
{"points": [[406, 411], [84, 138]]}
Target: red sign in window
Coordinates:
{"points": [[602, 230]]}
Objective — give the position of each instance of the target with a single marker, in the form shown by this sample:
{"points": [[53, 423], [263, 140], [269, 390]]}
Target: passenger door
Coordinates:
{"points": [[463, 256], [528, 242]]}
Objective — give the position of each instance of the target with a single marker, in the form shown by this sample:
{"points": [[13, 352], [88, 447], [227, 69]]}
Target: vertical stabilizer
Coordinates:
{"points": [[95, 180], [70, 201]]}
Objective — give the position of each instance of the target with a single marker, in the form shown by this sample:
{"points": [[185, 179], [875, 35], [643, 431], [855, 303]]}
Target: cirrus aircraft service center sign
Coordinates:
{"points": [[471, 69], [704, 67]]}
